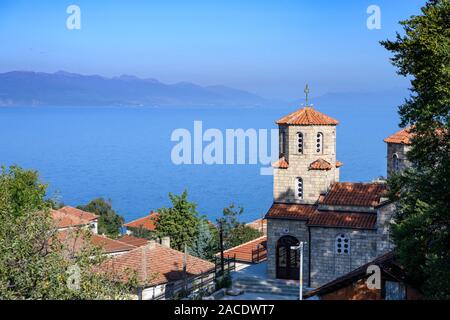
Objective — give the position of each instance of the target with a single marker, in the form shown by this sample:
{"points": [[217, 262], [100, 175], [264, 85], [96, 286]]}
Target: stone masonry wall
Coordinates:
{"points": [[401, 151], [326, 265], [315, 182]]}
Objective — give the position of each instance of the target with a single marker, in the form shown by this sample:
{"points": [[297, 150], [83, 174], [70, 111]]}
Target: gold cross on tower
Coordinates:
{"points": [[306, 94]]}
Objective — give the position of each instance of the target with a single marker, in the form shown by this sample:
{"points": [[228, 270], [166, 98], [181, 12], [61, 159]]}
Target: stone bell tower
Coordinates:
{"points": [[307, 163]]}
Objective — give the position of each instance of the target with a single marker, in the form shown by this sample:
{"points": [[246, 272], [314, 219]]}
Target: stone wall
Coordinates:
{"points": [[400, 150], [326, 265], [384, 217], [315, 182]]}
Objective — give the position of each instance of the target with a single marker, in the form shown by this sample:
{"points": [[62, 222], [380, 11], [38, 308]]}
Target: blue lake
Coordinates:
{"points": [[124, 154]]}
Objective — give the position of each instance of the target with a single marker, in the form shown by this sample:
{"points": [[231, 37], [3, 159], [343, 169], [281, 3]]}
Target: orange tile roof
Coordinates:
{"points": [[339, 164], [70, 217], [354, 194], [155, 264], [401, 137], [74, 241], [314, 217], [320, 164], [343, 220], [147, 222], [281, 163], [291, 211], [247, 252], [307, 116], [132, 240], [259, 224]]}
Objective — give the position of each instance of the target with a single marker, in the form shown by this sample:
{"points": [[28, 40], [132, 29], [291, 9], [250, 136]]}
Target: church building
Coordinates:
{"points": [[344, 225]]}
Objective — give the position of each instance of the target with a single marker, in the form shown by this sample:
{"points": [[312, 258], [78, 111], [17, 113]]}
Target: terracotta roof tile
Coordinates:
{"points": [[314, 217], [291, 211], [343, 220], [155, 264], [307, 116], [339, 164], [354, 194], [74, 241], [71, 217], [281, 164], [248, 252], [401, 137], [147, 222], [320, 164], [132, 240]]}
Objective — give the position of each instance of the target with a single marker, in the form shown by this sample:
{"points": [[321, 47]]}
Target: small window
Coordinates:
{"points": [[299, 188], [395, 163], [282, 142], [300, 142], [319, 142], [342, 244]]}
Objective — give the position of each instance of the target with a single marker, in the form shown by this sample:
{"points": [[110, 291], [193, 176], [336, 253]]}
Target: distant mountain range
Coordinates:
{"points": [[23, 88]]}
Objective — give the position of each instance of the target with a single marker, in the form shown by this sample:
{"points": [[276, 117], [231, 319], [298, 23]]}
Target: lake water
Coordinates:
{"points": [[125, 154]]}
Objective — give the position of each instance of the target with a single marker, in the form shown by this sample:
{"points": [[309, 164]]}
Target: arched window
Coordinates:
{"points": [[299, 188], [319, 142], [395, 162], [300, 142], [342, 244]]}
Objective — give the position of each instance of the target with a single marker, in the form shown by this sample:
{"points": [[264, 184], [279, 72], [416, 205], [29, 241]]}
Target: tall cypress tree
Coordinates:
{"points": [[421, 228]]}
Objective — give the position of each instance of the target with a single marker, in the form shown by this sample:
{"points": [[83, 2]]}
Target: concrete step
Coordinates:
{"points": [[268, 290], [269, 286]]}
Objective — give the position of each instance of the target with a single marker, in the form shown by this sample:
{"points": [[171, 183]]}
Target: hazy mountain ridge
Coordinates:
{"points": [[25, 88]]}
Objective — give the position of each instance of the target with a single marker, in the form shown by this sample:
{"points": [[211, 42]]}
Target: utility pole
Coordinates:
{"points": [[222, 264], [300, 248]]}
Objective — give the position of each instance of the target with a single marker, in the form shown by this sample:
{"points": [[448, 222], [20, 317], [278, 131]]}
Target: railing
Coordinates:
{"points": [[259, 254], [204, 282]]}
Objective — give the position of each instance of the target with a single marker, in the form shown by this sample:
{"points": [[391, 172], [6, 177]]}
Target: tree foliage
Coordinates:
{"points": [[179, 222], [234, 232], [109, 222], [421, 230], [33, 262], [206, 243]]}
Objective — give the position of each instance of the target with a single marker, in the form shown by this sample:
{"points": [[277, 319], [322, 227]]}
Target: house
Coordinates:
{"points": [[394, 284], [159, 269], [70, 217], [343, 225], [74, 241], [259, 224], [146, 223], [251, 252]]}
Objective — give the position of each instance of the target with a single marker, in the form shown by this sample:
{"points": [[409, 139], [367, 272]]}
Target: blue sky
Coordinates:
{"points": [[271, 48]]}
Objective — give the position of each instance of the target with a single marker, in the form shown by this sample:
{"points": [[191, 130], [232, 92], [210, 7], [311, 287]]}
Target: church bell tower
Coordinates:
{"points": [[307, 163]]}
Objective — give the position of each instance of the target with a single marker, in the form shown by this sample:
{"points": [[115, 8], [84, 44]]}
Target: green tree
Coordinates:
{"points": [[109, 222], [33, 262], [234, 232], [206, 244], [422, 219], [179, 222]]}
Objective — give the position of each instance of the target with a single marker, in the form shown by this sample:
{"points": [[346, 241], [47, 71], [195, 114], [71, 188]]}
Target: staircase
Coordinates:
{"points": [[267, 286]]}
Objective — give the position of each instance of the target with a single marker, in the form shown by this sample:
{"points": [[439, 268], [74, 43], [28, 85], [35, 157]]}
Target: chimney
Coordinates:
{"points": [[151, 244], [165, 241]]}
